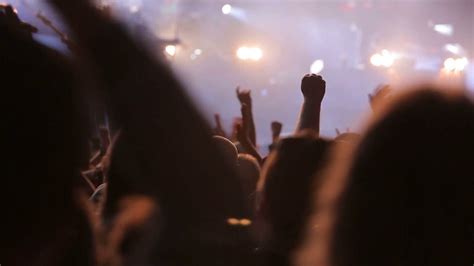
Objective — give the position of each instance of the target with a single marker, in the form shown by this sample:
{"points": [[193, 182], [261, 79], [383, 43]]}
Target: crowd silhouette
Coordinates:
{"points": [[161, 186]]}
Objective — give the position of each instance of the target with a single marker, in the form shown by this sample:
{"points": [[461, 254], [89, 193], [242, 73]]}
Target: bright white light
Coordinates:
{"points": [[453, 48], [387, 58], [317, 66], [444, 29], [226, 9], [243, 53], [249, 53], [170, 50], [376, 60], [455, 65], [198, 52], [450, 64], [256, 53], [461, 64], [383, 59]]}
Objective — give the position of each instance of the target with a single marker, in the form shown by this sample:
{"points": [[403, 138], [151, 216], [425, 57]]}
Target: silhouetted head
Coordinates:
{"points": [[249, 172], [347, 137], [407, 196], [227, 148], [43, 139], [286, 189]]}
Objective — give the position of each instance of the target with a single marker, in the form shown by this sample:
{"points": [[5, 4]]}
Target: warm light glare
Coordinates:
{"points": [[249, 53], [383, 59], [449, 64], [455, 65], [461, 64], [170, 50], [376, 60], [317, 66], [226, 9]]}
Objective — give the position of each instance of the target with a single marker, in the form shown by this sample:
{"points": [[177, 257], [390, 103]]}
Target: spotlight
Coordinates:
{"points": [[249, 53], [198, 52], [317, 66], [376, 60], [243, 53], [453, 48], [444, 29], [226, 9], [450, 64], [455, 65], [383, 59], [461, 64], [170, 50], [256, 53], [387, 58]]}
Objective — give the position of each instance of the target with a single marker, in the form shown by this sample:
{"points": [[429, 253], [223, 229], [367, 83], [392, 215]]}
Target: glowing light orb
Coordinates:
{"points": [[317, 66], [226, 9], [170, 50], [249, 53]]}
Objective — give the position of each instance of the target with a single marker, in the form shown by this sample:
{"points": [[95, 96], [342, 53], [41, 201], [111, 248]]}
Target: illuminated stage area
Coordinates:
{"points": [[264, 46]]}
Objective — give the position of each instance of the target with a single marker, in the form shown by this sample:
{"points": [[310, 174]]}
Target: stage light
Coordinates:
{"points": [[376, 60], [317, 66], [387, 58], [383, 59], [198, 52], [453, 48], [243, 53], [249, 53], [170, 50], [444, 29], [450, 64], [461, 64], [255, 53], [226, 9], [455, 65]]}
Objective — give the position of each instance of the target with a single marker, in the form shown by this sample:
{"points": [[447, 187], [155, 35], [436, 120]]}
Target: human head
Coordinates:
{"points": [[286, 188], [406, 197]]}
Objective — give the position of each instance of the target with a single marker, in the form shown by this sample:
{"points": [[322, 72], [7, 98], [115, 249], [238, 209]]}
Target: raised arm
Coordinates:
{"points": [[276, 131], [244, 140], [245, 98], [313, 88]]}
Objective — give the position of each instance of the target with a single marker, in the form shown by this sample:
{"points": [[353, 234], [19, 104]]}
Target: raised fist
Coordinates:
{"points": [[276, 128], [244, 97], [313, 88]]}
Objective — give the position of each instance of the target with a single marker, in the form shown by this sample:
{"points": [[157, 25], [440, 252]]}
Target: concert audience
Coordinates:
{"points": [[170, 190]]}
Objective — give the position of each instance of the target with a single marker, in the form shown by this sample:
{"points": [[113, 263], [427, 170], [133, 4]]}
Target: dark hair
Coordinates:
{"points": [[409, 192], [44, 139], [286, 190]]}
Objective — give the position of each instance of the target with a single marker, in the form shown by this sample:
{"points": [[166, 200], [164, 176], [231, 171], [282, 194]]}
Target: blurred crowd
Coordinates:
{"points": [[155, 184]]}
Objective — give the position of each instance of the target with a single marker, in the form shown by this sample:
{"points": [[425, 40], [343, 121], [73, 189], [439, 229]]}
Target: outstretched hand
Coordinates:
{"points": [[244, 97], [313, 88]]}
